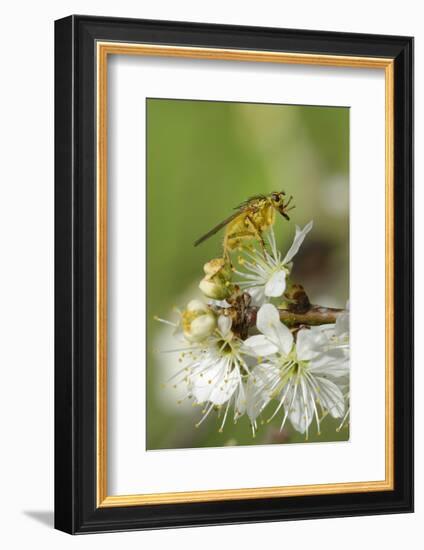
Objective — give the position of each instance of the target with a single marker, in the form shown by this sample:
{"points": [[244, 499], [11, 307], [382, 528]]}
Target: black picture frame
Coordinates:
{"points": [[76, 510]]}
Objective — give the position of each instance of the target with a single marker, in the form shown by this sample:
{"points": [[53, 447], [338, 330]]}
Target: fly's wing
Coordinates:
{"points": [[218, 227], [248, 202]]}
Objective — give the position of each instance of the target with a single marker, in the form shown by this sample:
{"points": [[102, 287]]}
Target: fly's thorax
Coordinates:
{"points": [[264, 217], [250, 224]]}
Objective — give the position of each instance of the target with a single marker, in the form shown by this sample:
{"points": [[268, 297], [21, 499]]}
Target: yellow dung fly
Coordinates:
{"points": [[250, 219]]}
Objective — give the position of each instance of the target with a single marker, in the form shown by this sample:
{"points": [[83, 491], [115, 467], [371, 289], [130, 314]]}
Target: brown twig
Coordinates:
{"points": [[315, 315], [298, 312]]}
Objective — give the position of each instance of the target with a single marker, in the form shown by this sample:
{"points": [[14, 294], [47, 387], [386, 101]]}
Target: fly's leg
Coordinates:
{"points": [[226, 255], [288, 202], [284, 210], [257, 233], [232, 242]]}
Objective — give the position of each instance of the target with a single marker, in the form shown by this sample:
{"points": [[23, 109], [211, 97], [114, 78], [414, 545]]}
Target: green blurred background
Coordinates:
{"points": [[203, 159]]}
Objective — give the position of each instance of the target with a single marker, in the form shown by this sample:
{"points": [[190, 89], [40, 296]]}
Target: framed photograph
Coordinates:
{"points": [[234, 274]]}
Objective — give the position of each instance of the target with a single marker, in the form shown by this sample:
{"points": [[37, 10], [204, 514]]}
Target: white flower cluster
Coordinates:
{"points": [[304, 372], [305, 377]]}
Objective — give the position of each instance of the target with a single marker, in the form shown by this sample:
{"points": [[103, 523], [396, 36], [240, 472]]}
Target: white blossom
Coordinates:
{"points": [[302, 376], [214, 371], [266, 271]]}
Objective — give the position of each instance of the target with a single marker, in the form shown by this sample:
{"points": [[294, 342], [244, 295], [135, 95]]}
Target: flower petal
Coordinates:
{"points": [[260, 345], [257, 294], [268, 322], [219, 303], [224, 325], [222, 391], [331, 397], [333, 362], [263, 379], [202, 382], [276, 284], [297, 242], [301, 412], [342, 325], [240, 403], [310, 343]]}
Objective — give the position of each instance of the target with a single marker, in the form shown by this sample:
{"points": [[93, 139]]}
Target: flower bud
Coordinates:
{"points": [[216, 283], [198, 321], [214, 288], [197, 306]]}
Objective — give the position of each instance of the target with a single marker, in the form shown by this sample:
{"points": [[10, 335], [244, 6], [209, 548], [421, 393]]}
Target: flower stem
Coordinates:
{"points": [[298, 312], [316, 315]]}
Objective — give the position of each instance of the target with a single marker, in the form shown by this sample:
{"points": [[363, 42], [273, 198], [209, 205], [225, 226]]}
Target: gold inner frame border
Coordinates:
{"points": [[103, 50]]}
